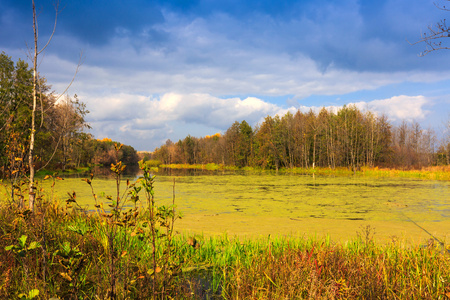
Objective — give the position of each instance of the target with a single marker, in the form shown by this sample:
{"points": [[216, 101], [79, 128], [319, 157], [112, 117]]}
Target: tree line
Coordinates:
{"points": [[347, 137], [61, 138]]}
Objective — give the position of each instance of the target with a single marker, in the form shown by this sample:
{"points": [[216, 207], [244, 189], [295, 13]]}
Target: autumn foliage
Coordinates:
{"points": [[347, 137]]}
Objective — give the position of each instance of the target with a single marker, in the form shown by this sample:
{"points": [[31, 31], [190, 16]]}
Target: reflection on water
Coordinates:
{"points": [[130, 171], [104, 172], [133, 171], [194, 172]]}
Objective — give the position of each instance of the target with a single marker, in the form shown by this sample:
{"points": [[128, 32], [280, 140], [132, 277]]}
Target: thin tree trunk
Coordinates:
{"points": [[32, 194]]}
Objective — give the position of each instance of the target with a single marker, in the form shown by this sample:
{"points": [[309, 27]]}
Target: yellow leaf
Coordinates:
{"points": [[123, 254], [66, 276], [151, 272]]}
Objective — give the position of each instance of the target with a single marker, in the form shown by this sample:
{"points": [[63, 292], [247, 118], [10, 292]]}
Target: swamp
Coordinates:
{"points": [[255, 204], [241, 235]]}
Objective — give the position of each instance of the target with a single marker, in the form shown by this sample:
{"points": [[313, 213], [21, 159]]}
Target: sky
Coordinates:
{"points": [[165, 69]]}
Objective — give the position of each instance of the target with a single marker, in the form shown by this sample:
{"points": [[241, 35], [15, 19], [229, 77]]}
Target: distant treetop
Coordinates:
{"points": [[105, 140]]}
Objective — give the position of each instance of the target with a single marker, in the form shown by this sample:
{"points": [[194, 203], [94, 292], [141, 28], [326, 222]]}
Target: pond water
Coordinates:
{"points": [[253, 204]]}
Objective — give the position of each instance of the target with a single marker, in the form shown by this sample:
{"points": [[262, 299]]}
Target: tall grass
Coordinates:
{"points": [[218, 266], [289, 268]]}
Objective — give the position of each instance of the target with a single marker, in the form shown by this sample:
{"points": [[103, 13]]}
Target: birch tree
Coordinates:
{"points": [[35, 55]]}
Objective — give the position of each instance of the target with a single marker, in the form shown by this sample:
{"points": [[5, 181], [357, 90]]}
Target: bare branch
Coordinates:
{"points": [[441, 7], [433, 39], [54, 27], [51, 157], [80, 62]]}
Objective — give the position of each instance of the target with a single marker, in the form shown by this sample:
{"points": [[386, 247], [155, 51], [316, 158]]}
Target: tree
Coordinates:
{"points": [[231, 143], [15, 96], [264, 138], [245, 144], [59, 134], [67, 123], [436, 34], [36, 89]]}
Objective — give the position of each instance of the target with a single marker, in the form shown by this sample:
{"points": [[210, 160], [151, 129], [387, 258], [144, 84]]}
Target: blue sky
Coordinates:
{"points": [[158, 70]]}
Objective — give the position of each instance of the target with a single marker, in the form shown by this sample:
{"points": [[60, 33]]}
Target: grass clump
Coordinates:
{"points": [[288, 268]]}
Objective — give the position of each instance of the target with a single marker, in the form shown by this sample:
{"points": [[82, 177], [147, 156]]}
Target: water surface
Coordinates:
{"points": [[264, 203]]}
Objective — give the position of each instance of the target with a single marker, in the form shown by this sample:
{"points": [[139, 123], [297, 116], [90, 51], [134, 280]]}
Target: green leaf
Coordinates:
{"points": [[66, 248], [10, 247], [23, 241], [33, 245], [80, 231], [33, 293]]}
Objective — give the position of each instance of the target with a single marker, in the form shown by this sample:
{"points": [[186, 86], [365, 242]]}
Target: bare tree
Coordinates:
{"points": [[37, 93], [435, 35], [32, 188]]}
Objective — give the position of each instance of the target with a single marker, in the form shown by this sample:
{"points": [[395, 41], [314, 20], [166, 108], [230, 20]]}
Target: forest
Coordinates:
{"points": [[347, 137], [62, 141]]}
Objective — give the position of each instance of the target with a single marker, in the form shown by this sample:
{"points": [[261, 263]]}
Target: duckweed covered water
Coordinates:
{"points": [[254, 204]]}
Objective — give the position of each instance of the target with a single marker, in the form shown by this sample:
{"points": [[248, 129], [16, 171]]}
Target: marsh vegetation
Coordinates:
{"points": [[67, 255], [242, 235]]}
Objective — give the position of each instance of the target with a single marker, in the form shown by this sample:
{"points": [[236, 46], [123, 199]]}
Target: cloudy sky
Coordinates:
{"points": [[163, 69]]}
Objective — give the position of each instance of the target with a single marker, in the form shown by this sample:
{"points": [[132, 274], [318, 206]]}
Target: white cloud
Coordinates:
{"points": [[147, 121], [203, 109], [399, 107], [116, 107]]}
